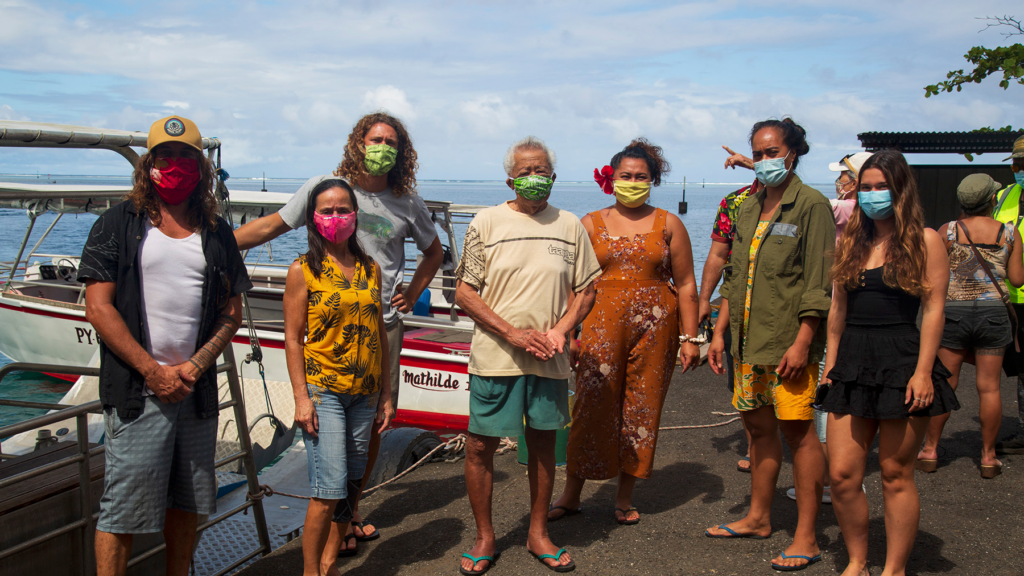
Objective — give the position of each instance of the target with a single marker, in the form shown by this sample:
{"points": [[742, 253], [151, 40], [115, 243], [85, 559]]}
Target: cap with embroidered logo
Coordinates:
{"points": [[174, 129]]}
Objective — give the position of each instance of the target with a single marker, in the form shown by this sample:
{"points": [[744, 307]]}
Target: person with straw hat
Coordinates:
{"points": [[1008, 207]]}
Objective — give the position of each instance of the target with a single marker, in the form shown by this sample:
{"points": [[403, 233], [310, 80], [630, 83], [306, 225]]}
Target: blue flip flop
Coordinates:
{"points": [[809, 559], [733, 534], [477, 559], [557, 567]]}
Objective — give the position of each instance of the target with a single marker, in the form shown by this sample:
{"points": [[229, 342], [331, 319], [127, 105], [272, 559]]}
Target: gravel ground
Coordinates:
{"points": [[968, 525]]}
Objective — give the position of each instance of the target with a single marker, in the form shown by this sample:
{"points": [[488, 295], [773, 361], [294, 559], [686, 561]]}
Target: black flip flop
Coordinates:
{"points": [[346, 552], [565, 512], [625, 516], [741, 468], [365, 538]]}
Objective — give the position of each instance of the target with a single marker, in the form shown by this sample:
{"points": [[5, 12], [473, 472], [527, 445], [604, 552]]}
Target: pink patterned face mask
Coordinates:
{"points": [[336, 229]]}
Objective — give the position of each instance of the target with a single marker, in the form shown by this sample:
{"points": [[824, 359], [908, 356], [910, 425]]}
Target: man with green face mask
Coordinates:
{"points": [[526, 279], [379, 163]]}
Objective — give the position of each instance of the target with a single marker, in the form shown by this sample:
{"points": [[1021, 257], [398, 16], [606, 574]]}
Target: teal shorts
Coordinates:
{"points": [[499, 404]]}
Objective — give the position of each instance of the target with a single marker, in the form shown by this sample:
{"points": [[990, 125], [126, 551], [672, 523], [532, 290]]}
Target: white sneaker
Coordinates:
{"points": [[826, 494]]}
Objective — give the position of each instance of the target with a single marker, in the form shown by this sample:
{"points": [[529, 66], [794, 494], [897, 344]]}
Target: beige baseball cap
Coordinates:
{"points": [[851, 162], [174, 129]]}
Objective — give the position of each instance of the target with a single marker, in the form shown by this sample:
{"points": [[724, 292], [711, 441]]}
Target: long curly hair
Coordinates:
{"points": [[318, 244], [654, 156], [401, 178], [905, 253], [202, 203]]}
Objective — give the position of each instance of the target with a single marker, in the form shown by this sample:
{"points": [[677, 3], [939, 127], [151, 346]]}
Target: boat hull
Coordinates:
{"points": [[433, 382]]}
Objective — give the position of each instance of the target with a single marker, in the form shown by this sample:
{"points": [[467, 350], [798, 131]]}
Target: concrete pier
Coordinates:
{"points": [[968, 525]]}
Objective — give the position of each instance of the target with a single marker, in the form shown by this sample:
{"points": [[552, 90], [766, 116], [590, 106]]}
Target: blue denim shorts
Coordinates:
{"points": [[338, 452], [162, 459]]}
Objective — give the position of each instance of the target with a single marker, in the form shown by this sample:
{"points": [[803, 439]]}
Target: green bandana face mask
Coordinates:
{"points": [[533, 187], [380, 158]]}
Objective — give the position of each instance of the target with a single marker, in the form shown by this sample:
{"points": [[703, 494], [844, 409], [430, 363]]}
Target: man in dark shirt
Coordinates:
{"points": [[163, 282]]}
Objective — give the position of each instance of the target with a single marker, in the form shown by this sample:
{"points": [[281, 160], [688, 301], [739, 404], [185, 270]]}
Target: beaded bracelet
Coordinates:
{"points": [[701, 339]]}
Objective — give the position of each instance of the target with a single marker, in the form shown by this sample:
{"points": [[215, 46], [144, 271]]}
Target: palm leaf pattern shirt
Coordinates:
{"points": [[343, 343]]}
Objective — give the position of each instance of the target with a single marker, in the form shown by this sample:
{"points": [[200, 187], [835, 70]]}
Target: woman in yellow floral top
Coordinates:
{"points": [[333, 327]]}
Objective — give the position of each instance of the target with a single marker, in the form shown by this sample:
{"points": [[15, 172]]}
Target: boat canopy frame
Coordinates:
{"points": [[18, 134]]}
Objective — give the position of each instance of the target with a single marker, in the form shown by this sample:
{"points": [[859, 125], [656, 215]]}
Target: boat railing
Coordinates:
{"points": [[85, 453]]}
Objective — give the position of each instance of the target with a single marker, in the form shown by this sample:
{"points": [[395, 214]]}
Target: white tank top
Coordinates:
{"points": [[171, 274]]}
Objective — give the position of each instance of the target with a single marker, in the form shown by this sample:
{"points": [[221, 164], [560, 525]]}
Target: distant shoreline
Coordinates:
{"points": [[303, 179]]}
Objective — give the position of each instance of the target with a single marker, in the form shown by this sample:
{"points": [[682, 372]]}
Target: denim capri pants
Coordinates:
{"points": [[336, 456]]}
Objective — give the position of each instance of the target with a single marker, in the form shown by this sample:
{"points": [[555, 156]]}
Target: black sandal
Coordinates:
{"points": [[625, 516], [365, 537], [565, 512], [346, 551]]}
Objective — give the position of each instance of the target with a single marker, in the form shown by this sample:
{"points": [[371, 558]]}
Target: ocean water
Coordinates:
{"points": [[70, 233]]}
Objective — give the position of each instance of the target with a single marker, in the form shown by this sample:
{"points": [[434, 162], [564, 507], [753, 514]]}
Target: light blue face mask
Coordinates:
{"points": [[876, 204], [771, 172], [1019, 177]]}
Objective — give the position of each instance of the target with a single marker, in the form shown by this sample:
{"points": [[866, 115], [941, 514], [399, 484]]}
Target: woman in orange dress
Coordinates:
{"points": [[645, 295]]}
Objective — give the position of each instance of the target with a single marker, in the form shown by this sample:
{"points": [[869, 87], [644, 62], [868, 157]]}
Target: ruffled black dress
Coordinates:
{"points": [[877, 356]]}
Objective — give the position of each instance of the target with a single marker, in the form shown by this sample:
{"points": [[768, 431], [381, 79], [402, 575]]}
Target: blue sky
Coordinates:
{"points": [[281, 83]]}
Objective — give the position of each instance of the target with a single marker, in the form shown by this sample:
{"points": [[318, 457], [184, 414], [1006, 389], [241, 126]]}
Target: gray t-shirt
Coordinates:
{"points": [[385, 221]]}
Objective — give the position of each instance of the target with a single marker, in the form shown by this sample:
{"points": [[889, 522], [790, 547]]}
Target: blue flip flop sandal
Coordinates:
{"points": [[733, 534], [557, 567], [477, 559], [809, 559]]}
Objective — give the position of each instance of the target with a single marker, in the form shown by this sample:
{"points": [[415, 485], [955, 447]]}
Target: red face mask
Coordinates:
{"points": [[175, 178]]}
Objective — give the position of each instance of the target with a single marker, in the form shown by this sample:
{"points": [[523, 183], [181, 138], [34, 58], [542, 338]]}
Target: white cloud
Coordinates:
{"points": [[389, 99], [489, 116], [282, 83], [8, 113]]}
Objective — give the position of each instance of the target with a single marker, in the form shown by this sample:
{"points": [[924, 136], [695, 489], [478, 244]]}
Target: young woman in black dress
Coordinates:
{"points": [[883, 374]]}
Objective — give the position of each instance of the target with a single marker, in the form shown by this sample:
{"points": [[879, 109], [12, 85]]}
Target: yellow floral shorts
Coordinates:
{"points": [[758, 386]]}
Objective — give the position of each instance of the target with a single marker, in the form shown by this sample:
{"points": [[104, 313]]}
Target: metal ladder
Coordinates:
{"points": [[85, 524]]}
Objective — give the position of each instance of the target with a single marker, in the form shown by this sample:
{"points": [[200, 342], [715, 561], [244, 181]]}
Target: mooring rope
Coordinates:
{"points": [[458, 444]]}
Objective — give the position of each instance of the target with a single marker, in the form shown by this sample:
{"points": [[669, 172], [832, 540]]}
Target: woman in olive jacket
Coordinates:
{"points": [[775, 301]]}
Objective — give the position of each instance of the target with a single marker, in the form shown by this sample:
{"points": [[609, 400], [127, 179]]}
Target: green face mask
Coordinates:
{"points": [[533, 187], [380, 159]]}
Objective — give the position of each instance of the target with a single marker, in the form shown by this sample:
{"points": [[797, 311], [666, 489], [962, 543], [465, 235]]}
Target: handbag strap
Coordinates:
{"points": [[998, 283]]}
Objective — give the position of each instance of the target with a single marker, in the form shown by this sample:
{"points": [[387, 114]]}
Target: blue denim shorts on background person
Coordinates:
{"points": [[162, 459], [338, 452], [974, 326], [498, 404]]}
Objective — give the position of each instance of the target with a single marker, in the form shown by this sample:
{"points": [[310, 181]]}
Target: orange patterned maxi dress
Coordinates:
{"points": [[627, 354]]}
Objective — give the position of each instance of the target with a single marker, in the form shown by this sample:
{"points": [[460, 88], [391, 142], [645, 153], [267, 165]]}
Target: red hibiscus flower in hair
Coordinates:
{"points": [[603, 177]]}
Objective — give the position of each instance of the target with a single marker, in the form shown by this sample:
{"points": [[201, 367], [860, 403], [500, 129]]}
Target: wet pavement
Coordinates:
{"points": [[968, 525]]}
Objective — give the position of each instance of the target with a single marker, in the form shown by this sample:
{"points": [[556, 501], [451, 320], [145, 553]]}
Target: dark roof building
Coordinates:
{"points": [[940, 142]]}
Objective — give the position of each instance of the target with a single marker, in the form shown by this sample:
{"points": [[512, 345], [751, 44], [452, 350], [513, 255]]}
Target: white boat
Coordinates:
{"points": [[42, 313], [42, 320]]}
